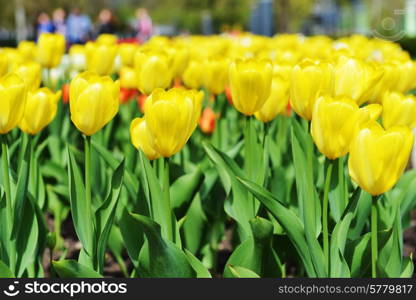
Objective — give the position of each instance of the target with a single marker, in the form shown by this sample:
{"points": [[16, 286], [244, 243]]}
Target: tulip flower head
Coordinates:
{"points": [[12, 101], [250, 82], [41, 107], [399, 109], [309, 81], [193, 75], [94, 101], [208, 121], [50, 49], [277, 101], [31, 73], [153, 70], [171, 117], [216, 75], [378, 157], [100, 57], [142, 139]]}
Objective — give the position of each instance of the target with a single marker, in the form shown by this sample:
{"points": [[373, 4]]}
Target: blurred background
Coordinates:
{"points": [[84, 19]]}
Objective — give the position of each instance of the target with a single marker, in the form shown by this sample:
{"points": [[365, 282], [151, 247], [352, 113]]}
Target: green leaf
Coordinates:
{"points": [[106, 212], [5, 271], [183, 190], [199, 268], [130, 180], [338, 193], [194, 227], [241, 272], [256, 252], [239, 206], [82, 222], [72, 269], [20, 193], [133, 238], [407, 267], [290, 222], [160, 257], [150, 182]]}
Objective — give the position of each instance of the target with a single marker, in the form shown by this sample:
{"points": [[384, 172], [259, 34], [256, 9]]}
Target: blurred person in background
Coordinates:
{"points": [[106, 22], [78, 27], [58, 18], [143, 25], [44, 24]]}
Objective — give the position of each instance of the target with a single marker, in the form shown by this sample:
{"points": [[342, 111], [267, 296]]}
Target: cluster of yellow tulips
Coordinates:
{"points": [[351, 97]]}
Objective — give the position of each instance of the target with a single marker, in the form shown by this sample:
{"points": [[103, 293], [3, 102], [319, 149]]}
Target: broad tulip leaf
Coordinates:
{"points": [[338, 192], [199, 268], [194, 227], [241, 272], [5, 271], [256, 252], [407, 267], [72, 269], [130, 181], [82, 222], [160, 257], [106, 212], [133, 239], [183, 190], [292, 225]]}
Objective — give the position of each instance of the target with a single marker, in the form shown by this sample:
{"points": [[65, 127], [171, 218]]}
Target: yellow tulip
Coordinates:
{"points": [[180, 59], [250, 82], [378, 157], [127, 52], [171, 117], [31, 73], [277, 101], [128, 78], [193, 75], [13, 102], [94, 101], [78, 58], [153, 70], [106, 39], [50, 49], [355, 79], [41, 107], [399, 109], [100, 57], [27, 50], [4, 64], [333, 125], [308, 81], [215, 75], [142, 139]]}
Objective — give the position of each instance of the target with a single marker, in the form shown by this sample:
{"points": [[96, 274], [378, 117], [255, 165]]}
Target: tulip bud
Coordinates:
{"points": [[355, 79], [78, 57], [308, 81], [142, 139], [65, 92], [13, 102], [215, 75], [378, 157], [50, 49], [31, 73], [127, 52], [399, 109], [106, 39], [250, 82], [27, 50], [193, 75], [277, 101], [100, 58], [41, 107], [171, 117], [207, 121], [128, 78], [94, 101], [153, 70]]}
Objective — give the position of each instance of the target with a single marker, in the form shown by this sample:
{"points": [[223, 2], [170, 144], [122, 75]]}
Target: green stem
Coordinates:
{"points": [[325, 212], [88, 199], [166, 199], [374, 243], [248, 160], [9, 202]]}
